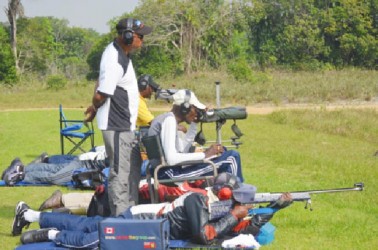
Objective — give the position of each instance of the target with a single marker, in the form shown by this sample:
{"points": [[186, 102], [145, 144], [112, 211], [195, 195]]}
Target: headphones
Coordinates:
{"points": [[143, 82], [128, 33], [185, 106], [225, 179], [224, 191]]}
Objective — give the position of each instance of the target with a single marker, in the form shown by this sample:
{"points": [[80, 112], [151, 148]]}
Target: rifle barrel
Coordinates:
{"points": [[303, 195], [357, 187]]}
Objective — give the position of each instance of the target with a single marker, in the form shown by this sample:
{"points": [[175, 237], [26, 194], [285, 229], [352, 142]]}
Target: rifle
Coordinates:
{"points": [[304, 195], [220, 208]]}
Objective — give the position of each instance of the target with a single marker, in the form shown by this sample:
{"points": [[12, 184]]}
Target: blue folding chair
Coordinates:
{"points": [[75, 131]]}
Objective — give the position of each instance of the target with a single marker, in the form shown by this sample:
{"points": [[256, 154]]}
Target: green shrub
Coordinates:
{"points": [[56, 82]]}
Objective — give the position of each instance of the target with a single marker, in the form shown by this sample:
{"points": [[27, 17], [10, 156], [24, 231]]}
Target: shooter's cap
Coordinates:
{"points": [[243, 193], [182, 96]]}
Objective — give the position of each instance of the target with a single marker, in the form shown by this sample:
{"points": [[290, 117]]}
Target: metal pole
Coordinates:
{"points": [[217, 91]]}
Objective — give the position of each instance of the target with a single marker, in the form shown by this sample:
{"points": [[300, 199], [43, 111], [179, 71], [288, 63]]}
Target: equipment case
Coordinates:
{"points": [[119, 233]]}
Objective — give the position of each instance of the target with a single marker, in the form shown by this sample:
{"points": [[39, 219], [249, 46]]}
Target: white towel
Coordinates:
{"points": [[242, 240]]}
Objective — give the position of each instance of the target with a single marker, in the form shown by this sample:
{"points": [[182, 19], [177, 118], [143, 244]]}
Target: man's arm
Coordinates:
{"points": [[144, 114], [204, 231], [97, 100], [168, 139], [186, 136]]}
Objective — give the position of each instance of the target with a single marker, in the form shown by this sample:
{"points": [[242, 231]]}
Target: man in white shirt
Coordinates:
{"points": [[185, 109], [115, 102]]}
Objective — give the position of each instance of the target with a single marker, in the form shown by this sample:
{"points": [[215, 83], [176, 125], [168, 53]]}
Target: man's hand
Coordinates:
{"points": [[285, 200], [182, 128], [215, 149], [241, 211], [90, 113]]}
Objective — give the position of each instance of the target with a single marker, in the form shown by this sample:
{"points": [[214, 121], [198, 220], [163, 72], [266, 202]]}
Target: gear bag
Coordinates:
{"points": [[84, 178], [99, 205]]}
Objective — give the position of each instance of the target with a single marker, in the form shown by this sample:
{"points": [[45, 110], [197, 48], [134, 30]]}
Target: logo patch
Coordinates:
{"points": [[149, 245], [109, 230]]}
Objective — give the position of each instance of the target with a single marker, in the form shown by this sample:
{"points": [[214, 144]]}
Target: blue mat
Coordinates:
{"points": [[173, 244], [40, 246], [24, 184]]}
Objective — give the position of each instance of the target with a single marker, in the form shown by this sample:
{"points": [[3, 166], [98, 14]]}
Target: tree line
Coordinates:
{"points": [[240, 37]]}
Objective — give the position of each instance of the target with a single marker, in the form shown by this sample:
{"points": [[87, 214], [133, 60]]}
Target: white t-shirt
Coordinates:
{"points": [[174, 147], [117, 80]]}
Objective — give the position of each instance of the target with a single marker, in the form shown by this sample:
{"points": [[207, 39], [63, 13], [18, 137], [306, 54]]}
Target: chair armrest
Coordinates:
{"points": [[73, 121], [72, 127], [192, 162]]}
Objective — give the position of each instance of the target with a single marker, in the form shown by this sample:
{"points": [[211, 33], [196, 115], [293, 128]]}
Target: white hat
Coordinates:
{"points": [[184, 95]]}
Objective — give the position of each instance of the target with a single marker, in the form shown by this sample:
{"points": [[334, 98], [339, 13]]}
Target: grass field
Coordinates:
{"points": [[283, 151], [275, 87]]}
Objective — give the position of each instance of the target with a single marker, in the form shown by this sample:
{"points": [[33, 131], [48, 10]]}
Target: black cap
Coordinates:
{"points": [[145, 80], [136, 26]]}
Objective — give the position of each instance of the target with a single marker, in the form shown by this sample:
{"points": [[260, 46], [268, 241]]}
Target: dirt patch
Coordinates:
{"points": [[267, 109]]}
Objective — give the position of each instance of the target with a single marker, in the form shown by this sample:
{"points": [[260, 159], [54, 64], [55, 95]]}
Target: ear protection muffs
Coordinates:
{"points": [[128, 33], [230, 182], [143, 82], [225, 193], [185, 106]]}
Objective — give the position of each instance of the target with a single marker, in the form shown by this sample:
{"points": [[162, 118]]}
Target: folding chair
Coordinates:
{"points": [[155, 152], [73, 131]]}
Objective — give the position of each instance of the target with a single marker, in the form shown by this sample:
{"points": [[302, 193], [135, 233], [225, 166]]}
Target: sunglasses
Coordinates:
{"points": [[137, 24]]}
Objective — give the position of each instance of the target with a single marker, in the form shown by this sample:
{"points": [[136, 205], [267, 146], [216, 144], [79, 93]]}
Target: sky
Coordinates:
{"points": [[80, 13]]}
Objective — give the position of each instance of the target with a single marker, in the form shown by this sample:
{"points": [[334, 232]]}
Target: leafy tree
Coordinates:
{"points": [[76, 44], [341, 32], [158, 63], [54, 48], [94, 55], [8, 72], [349, 31], [301, 43], [187, 30], [36, 54]]}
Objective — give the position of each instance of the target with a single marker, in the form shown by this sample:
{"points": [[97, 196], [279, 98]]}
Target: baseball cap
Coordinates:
{"points": [[243, 193], [137, 27], [181, 96], [147, 79]]}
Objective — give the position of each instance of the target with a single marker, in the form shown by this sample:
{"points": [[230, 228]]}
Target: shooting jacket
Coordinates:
{"points": [[189, 218]]}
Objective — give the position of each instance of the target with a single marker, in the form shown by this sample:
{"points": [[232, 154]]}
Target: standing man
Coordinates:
{"points": [[115, 102]]}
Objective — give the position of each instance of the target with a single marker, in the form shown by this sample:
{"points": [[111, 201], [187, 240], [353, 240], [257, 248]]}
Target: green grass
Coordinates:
{"points": [[283, 151], [277, 87]]}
